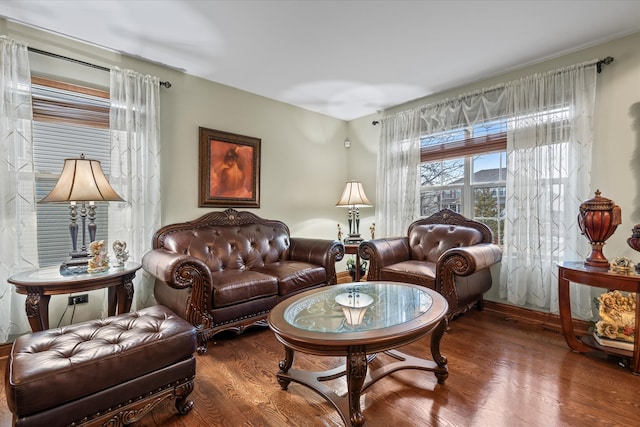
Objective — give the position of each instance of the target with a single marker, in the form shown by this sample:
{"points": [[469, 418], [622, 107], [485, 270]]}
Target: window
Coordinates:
{"points": [[68, 121], [465, 170]]}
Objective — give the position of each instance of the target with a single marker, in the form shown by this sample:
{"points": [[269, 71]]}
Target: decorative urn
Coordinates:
{"points": [[634, 242], [598, 219]]}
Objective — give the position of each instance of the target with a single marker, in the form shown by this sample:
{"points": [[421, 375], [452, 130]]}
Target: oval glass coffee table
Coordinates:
{"points": [[357, 321]]}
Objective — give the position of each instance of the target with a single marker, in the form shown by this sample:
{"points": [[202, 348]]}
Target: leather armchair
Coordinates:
{"points": [[445, 252]]}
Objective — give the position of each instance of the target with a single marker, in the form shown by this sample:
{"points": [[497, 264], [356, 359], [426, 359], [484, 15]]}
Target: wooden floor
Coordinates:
{"points": [[501, 373]]}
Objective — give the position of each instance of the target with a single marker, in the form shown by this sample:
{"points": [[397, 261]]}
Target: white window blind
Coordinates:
{"points": [[68, 122]]}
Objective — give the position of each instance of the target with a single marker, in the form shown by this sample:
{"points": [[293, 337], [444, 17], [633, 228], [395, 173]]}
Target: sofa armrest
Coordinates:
{"points": [[464, 261], [322, 252], [181, 271], [383, 252]]}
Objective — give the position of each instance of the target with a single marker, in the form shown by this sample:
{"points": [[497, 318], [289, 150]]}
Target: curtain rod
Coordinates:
{"points": [[606, 61], [77, 61]]}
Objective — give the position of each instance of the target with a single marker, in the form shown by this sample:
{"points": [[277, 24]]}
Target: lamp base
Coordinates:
{"points": [[353, 239], [76, 264]]}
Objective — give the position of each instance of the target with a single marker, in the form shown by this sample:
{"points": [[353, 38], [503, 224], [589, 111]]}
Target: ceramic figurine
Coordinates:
{"points": [[98, 260], [120, 250]]}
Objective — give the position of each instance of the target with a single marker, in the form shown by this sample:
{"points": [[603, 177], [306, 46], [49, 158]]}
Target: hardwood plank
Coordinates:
{"points": [[502, 372]]}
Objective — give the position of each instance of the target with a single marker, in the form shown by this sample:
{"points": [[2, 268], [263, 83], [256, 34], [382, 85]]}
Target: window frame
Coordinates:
{"points": [[465, 149]]}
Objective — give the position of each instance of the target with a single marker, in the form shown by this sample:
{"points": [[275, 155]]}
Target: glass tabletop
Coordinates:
{"points": [[361, 306], [51, 275]]}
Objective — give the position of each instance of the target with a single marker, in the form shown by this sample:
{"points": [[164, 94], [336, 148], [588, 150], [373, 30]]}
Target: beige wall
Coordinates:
{"points": [[304, 162]]}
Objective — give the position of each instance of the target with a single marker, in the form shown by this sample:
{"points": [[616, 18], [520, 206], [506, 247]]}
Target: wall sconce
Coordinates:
{"points": [[354, 198], [354, 305], [81, 180]]}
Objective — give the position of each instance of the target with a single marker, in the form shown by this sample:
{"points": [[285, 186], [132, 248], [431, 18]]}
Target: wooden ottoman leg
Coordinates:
{"points": [[182, 392]]}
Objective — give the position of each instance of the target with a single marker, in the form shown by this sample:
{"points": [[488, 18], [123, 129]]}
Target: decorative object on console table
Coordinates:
{"points": [[634, 242], [616, 327], [121, 253], [98, 259], [81, 180], [598, 219], [621, 264], [353, 197]]}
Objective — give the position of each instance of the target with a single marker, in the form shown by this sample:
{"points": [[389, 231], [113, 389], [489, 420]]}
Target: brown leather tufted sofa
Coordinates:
{"points": [[445, 252], [226, 270]]}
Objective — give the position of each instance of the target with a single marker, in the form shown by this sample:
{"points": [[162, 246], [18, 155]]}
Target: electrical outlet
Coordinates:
{"points": [[78, 299]]}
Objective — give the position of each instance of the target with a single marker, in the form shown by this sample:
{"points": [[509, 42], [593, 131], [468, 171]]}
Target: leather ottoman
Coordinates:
{"points": [[111, 371]]}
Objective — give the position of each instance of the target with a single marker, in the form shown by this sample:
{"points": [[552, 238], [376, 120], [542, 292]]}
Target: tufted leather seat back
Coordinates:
{"points": [[427, 242], [231, 247]]}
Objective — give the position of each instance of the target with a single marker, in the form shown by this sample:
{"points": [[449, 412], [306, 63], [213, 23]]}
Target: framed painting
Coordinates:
{"points": [[229, 169]]}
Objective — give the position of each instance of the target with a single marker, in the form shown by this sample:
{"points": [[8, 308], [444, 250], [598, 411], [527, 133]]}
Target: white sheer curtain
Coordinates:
{"points": [[549, 119], [398, 186], [548, 176], [18, 244], [135, 169]]}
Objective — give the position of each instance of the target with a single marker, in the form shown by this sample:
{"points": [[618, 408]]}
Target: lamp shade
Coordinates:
{"points": [[353, 195], [82, 180]]}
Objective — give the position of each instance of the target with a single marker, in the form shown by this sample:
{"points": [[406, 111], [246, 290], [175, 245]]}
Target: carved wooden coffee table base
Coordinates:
{"points": [[359, 378], [359, 346]]}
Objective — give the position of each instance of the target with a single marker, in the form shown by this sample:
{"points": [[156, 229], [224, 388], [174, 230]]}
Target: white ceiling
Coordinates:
{"points": [[345, 59]]}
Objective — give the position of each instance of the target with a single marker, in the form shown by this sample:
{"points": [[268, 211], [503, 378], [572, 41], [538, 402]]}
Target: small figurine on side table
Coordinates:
{"points": [[120, 250], [98, 260], [372, 229], [339, 233]]}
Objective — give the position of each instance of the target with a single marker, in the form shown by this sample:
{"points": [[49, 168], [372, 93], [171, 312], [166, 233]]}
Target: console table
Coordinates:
{"points": [[578, 272], [38, 285]]}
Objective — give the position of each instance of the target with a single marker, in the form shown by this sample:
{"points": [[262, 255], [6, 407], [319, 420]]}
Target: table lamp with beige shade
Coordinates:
{"points": [[81, 181], [354, 198]]}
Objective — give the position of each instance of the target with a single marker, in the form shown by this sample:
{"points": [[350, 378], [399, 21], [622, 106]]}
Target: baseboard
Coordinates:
{"points": [[546, 320]]}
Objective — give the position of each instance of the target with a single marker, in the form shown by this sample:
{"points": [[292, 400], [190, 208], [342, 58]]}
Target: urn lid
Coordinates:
{"points": [[598, 204]]}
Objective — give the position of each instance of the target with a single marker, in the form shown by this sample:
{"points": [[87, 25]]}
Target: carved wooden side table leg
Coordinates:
{"points": [[37, 309]]}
